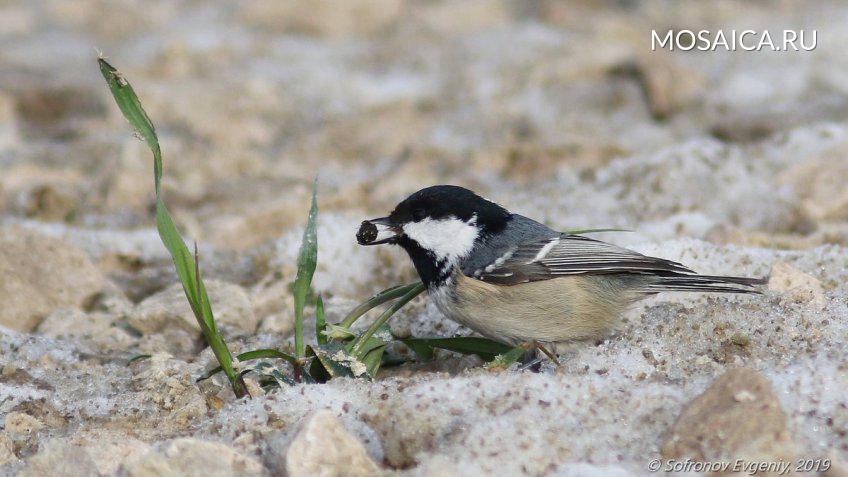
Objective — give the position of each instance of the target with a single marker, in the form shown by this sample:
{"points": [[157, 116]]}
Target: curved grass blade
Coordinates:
{"points": [[388, 294], [249, 355], [185, 265], [138, 357], [266, 353], [131, 108], [320, 322], [372, 350], [594, 231], [506, 359], [356, 347], [373, 360], [307, 260], [482, 347], [424, 351]]}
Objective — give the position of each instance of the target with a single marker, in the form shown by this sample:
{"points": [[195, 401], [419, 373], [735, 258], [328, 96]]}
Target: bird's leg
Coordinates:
{"points": [[554, 358], [534, 365], [530, 360]]}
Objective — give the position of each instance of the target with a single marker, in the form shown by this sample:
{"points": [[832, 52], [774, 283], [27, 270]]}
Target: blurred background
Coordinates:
{"points": [[517, 99]]}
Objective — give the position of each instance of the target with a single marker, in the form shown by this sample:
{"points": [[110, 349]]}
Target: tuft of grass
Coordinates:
{"points": [[307, 260], [186, 265]]}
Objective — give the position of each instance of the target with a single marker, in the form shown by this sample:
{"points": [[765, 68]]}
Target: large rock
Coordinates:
{"points": [[40, 274], [83, 454], [22, 423], [796, 285], [167, 384], [666, 84], [193, 457], [820, 183], [324, 448], [59, 459], [7, 450], [737, 417], [66, 323], [170, 309], [44, 192]]}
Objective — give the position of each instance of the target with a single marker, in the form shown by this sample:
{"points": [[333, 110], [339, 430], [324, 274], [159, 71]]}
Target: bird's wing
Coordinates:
{"points": [[571, 255]]}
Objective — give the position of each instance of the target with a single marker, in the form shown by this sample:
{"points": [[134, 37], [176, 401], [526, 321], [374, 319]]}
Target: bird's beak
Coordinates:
{"points": [[377, 231]]}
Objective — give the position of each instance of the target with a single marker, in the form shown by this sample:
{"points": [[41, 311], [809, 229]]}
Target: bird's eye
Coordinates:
{"points": [[419, 214]]}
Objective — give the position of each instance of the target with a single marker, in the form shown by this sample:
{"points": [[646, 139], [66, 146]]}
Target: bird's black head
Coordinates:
{"points": [[438, 226], [444, 202]]}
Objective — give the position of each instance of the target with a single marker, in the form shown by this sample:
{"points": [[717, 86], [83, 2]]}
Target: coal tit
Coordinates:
{"points": [[515, 280]]}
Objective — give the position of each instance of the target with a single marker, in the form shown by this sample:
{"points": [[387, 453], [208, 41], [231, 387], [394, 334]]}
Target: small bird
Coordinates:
{"points": [[514, 280]]}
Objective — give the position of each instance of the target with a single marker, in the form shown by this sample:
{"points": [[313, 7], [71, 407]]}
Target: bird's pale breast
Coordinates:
{"points": [[557, 310]]}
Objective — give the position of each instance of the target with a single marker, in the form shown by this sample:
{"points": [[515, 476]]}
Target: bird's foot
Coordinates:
{"points": [[531, 361]]}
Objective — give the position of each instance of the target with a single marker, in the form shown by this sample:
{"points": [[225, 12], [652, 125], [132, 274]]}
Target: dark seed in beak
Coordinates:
{"points": [[367, 233]]}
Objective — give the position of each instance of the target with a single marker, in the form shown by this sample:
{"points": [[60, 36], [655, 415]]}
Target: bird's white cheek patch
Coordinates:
{"points": [[449, 239]]}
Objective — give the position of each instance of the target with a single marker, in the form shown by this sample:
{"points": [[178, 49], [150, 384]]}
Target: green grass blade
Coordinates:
{"points": [[307, 260], [594, 231], [505, 360], [268, 370], [482, 347], [266, 353], [372, 350], [249, 355], [375, 301], [131, 108], [320, 321], [337, 333], [373, 359], [356, 346], [138, 357], [424, 351], [186, 265]]}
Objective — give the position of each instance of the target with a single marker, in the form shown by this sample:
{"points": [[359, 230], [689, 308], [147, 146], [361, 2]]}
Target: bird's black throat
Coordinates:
{"points": [[432, 271]]}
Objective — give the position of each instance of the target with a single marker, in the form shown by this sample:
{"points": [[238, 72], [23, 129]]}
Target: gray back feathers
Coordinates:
{"points": [[528, 251], [519, 230]]}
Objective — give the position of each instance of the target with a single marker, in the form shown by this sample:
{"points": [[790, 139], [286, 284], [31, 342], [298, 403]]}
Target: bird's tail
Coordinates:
{"points": [[705, 283]]}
